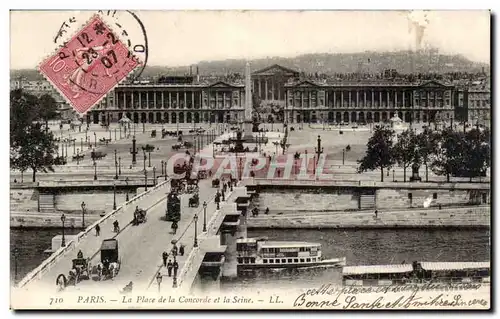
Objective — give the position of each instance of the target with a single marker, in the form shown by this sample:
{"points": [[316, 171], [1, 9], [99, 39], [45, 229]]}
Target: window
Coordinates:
{"points": [[410, 196], [296, 260], [301, 260], [302, 249], [271, 261], [308, 260], [240, 260], [434, 196], [283, 261], [289, 260], [265, 261]]}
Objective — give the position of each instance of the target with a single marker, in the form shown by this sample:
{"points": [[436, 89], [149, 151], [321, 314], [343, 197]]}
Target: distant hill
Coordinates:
{"points": [[364, 62]]}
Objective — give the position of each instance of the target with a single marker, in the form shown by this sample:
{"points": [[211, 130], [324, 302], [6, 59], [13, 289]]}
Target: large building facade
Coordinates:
{"points": [[186, 100], [368, 102], [474, 105], [41, 87], [172, 103]]}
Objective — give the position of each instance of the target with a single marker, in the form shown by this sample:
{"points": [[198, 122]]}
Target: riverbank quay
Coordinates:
{"points": [[449, 217], [19, 219]]}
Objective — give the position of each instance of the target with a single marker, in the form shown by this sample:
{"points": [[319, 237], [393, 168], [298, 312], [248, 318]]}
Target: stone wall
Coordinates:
{"points": [[303, 200], [94, 201], [24, 199], [400, 198], [475, 216]]}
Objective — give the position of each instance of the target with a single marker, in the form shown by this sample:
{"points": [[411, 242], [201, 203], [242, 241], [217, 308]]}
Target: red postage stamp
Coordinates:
{"points": [[89, 65]]}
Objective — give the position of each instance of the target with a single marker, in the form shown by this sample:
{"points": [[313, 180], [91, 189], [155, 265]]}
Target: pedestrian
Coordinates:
{"points": [[174, 250], [181, 250], [176, 267], [169, 268], [376, 213], [165, 258], [267, 211], [174, 227], [97, 230]]}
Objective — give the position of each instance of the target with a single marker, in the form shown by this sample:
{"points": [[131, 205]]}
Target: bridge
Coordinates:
{"points": [[141, 247]]}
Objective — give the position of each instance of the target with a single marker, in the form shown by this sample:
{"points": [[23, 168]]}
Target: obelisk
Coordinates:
{"points": [[247, 120]]}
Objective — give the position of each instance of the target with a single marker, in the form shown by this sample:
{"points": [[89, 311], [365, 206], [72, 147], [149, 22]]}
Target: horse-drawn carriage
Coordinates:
{"points": [[96, 155], [177, 146], [192, 186], [80, 270], [110, 263], [60, 160], [194, 201], [202, 174], [216, 183], [173, 212], [104, 140], [78, 157], [153, 133], [139, 217]]}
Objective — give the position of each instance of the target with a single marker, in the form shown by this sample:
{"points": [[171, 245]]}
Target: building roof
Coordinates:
{"points": [[287, 244], [454, 265], [377, 269], [364, 83], [275, 68]]}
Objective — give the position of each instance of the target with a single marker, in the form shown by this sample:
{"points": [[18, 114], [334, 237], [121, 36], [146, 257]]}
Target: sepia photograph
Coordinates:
{"points": [[276, 160]]}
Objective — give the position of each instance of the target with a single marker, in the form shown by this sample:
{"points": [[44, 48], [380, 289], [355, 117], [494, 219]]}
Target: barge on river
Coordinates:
{"points": [[259, 253], [417, 272]]}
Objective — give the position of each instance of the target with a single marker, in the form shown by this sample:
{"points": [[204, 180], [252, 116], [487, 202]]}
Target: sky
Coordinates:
{"points": [[178, 38]]}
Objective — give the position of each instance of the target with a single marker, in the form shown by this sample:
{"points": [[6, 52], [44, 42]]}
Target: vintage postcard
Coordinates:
{"points": [[321, 160]]}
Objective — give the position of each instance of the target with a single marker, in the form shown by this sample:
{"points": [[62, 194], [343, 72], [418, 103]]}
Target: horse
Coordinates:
{"points": [[113, 269]]}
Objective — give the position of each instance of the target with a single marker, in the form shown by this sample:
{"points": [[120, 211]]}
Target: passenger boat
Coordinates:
{"points": [[256, 253], [417, 272]]}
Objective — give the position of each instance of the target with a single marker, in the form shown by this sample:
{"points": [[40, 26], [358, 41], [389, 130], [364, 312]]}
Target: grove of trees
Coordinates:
{"points": [[446, 152], [31, 143]]}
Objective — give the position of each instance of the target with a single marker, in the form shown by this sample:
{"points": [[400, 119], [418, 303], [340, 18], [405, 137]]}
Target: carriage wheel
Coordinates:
{"points": [[61, 281]]}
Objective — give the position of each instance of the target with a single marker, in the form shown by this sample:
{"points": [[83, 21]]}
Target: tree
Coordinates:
{"points": [[30, 147], [47, 109], [379, 153], [406, 151], [451, 154], [428, 146], [477, 152]]}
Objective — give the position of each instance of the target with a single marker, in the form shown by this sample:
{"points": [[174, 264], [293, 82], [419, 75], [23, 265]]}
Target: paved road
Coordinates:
{"points": [[140, 247]]}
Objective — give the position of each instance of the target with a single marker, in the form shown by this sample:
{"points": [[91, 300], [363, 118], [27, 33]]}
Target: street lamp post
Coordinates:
{"points": [[74, 145], [77, 156], [162, 171], [195, 230], [145, 158], [343, 156], [81, 143], [205, 216], [145, 180], [95, 140], [126, 196], [154, 175], [95, 170], [116, 167], [63, 242], [83, 214], [16, 255], [158, 280], [149, 158], [114, 195], [119, 165]]}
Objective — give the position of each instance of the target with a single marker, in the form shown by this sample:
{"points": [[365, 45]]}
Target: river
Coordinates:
{"points": [[366, 247], [360, 247]]}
